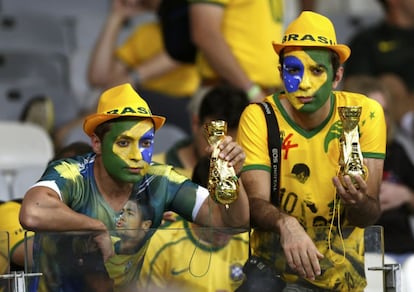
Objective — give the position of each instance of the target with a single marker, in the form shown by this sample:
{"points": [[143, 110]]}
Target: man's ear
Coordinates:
{"points": [[338, 76], [279, 67], [96, 144], [146, 224]]}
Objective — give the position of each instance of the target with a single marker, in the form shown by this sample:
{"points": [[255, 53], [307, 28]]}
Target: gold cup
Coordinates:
{"points": [[223, 184], [351, 159]]}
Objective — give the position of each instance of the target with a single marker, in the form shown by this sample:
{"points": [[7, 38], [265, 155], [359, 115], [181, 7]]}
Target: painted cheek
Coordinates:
{"points": [[146, 153], [130, 155], [309, 84], [111, 159], [292, 81], [145, 137], [139, 133]]}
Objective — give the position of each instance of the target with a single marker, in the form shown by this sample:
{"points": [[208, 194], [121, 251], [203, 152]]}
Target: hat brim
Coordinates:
{"points": [[342, 50], [94, 120]]}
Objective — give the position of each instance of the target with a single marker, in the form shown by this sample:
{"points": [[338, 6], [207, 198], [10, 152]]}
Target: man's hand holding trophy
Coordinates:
{"points": [[223, 183]]}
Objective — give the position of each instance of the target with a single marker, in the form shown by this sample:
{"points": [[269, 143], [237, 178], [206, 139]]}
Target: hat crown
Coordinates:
{"points": [[123, 100], [120, 101], [312, 28]]}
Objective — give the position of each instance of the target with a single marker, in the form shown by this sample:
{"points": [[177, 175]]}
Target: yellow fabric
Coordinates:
{"points": [[146, 42], [249, 28], [119, 267], [121, 100], [4, 255], [176, 260], [10, 223], [311, 29], [309, 160]]}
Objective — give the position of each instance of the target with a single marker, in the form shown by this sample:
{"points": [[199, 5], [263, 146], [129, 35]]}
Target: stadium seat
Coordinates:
{"points": [[24, 145]]}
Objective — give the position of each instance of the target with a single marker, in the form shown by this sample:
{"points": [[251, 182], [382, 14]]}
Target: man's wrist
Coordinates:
{"points": [[253, 91]]}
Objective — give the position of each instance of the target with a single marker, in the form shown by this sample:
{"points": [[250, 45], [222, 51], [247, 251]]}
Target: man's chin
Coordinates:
{"points": [[130, 178], [135, 178]]}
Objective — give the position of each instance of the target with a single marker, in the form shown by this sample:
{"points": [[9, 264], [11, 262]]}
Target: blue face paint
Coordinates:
{"points": [[292, 73], [308, 78], [146, 145]]}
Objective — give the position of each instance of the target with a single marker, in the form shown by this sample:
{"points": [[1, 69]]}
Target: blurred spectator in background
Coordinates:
{"points": [[222, 102], [142, 61], [386, 50], [397, 188], [228, 35]]}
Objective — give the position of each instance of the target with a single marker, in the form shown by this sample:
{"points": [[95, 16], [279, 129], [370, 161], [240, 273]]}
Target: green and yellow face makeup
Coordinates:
{"points": [[308, 78], [127, 149]]}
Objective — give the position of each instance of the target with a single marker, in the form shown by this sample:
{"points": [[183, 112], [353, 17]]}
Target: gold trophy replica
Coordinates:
{"points": [[351, 159], [223, 184]]}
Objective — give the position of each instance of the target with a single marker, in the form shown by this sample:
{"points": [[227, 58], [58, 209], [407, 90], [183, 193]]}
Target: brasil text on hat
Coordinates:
{"points": [[311, 29], [120, 101]]}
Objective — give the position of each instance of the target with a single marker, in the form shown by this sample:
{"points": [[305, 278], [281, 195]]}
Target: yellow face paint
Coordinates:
{"points": [[307, 76], [127, 145], [127, 149]]}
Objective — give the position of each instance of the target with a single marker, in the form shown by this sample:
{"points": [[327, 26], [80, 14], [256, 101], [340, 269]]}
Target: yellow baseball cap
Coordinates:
{"points": [[120, 101], [311, 29]]}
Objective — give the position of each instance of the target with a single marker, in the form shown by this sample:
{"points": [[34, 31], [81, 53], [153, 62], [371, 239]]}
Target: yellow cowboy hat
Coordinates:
{"points": [[311, 29], [120, 101]]}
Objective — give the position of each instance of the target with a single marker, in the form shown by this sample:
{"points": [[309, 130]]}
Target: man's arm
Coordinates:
{"points": [[237, 215], [300, 251], [105, 69], [206, 21], [235, 219], [42, 210]]}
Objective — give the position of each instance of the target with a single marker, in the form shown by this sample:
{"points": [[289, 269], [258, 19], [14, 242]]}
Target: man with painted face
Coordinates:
{"points": [[88, 194], [285, 237]]}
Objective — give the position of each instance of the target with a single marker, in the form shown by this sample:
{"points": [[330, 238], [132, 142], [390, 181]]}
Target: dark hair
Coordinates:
{"points": [[201, 171], [224, 102], [145, 207], [384, 4], [366, 84], [73, 149], [335, 60]]}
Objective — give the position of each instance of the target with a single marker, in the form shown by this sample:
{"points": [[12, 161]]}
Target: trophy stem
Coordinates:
{"points": [[351, 159]]}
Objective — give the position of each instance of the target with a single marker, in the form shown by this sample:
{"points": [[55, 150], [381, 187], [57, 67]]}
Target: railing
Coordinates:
{"points": [[75, 254]]}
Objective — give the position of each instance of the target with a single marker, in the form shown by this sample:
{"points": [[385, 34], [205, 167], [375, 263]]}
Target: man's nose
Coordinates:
{"points": [[135, 154], [305, 83]]}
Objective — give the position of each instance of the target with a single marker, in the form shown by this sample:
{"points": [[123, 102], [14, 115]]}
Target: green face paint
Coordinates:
{"points": [[307, 76], [127, 149]]}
